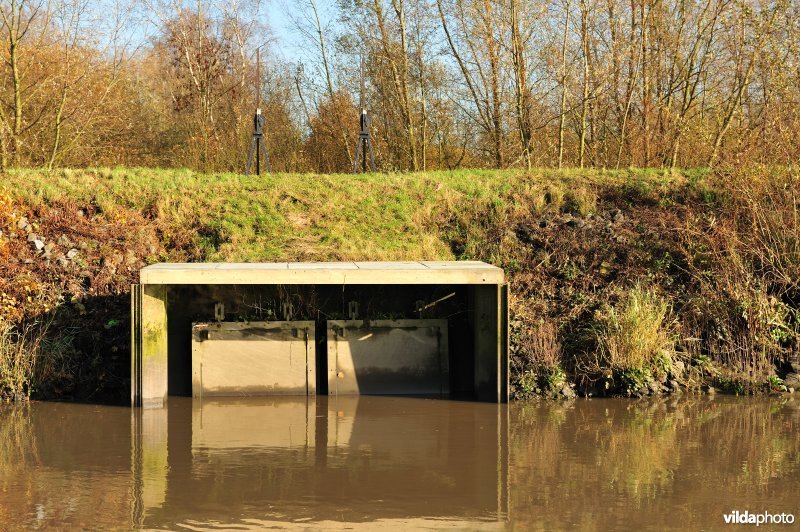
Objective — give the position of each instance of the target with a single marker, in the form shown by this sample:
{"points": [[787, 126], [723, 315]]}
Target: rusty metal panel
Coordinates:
{"points": [[388, 357], [253, 358]]}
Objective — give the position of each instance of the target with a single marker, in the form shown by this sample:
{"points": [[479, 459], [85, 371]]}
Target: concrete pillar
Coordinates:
{"points": [[149, 346]]}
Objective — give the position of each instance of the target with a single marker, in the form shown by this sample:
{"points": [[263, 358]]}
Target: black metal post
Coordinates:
{"points": [[364, 138], [257, 145]]}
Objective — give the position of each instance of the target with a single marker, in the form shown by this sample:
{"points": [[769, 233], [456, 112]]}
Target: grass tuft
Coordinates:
{"points": [[19, 350], [635, 335]]}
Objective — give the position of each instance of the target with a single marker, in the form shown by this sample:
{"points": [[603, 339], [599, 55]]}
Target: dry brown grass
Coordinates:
{"points": [[771, 225], [746, 266], [19, 352], [538, 348], [635, 332]]}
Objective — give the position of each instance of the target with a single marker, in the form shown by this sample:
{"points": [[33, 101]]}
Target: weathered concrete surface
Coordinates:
{"points": [[149, 349], [388, 357], [253, 358], [344, 273]]}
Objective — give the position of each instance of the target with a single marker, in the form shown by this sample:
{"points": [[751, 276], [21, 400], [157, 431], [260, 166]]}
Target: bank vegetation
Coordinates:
{"points": [[632, 282]]}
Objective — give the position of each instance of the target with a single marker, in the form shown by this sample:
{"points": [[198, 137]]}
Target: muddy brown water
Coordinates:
{"points": [[399, 463]]}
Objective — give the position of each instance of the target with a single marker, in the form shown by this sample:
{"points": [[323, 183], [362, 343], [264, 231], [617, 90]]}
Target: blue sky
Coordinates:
{"points": [[143, 24], [287, 46], [290, 45]]}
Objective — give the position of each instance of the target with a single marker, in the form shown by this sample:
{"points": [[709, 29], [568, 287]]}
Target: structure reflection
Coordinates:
{"points": [[259, 461]]}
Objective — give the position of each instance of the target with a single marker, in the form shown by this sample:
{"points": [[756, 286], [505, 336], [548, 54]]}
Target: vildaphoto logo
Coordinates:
{"points": [[764, 518]]}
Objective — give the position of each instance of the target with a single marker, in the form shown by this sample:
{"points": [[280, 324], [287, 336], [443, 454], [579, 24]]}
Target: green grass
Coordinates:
{"points": [[275, 217]]}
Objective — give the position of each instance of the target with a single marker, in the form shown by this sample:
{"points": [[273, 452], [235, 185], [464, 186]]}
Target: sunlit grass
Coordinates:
{"points": [[274, 217]]}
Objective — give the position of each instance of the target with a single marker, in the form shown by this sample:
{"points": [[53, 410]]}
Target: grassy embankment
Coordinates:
{"points": [[624, 282]]}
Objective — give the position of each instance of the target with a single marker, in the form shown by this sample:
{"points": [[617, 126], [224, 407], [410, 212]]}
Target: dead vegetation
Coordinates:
{"points": [[64, 308]]}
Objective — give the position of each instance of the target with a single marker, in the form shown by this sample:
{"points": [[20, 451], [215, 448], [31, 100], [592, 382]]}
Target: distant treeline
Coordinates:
{"points": [[449, 83]]}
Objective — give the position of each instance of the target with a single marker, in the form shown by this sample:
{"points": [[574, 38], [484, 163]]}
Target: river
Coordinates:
{"points": [[397, 463]]}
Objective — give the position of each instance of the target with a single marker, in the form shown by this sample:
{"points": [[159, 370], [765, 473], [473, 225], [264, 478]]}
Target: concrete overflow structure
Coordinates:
{"points": [[343, 328]]}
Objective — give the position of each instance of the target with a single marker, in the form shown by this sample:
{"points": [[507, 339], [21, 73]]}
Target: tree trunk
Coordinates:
{"points": [[585, 101], [494, 66], [17, 89], [521, 85], [563, 107]]}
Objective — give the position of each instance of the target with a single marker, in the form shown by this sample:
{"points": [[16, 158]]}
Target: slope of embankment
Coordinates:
{"points": [[632, 282]]}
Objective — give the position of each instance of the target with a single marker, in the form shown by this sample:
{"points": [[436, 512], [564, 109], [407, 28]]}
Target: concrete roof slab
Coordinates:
{"points": [[359, 273]]}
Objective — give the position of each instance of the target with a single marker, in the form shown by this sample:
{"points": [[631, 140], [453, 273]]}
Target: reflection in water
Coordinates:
{"points": [[680, 463], [398, 463], [64, 465], [353, 459]]}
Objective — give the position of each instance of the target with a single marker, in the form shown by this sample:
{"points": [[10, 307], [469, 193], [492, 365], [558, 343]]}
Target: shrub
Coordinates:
{"points": [[635, 334], [18, 353], [538, 360], [634, 378], [774, 383], [553, 379]]}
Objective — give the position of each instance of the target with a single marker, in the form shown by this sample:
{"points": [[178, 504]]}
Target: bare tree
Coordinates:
{"points": [[521, 91], [22, 21], [308, 21], [479, 61], [563, 106]]}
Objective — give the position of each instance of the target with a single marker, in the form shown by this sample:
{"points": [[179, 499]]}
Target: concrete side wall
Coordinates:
{"points": [[504, 332], [489, 334]]}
